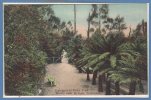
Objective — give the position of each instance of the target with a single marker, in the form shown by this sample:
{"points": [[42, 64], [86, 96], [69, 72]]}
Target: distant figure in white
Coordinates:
{"points": [[64, 57]]}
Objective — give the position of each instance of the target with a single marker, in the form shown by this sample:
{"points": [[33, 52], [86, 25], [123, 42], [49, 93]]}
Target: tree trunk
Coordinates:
{"points": [[94, 78], [103, 77], [88, 32], [80, 70], [143, 27], [74, 18], [99, 25], [119, 27], [130, 32], [117, 88], [108, 85], [100, 84], [132, 88], [99, 22], [88, 76]]}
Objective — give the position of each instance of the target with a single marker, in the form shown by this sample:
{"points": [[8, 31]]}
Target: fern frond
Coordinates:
{"points": [[113, 61], [98, 66], [96, 59], [105, 71]]}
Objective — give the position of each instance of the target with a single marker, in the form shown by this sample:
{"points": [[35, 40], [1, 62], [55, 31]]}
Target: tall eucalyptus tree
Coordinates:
{"points": [[74, 18]]}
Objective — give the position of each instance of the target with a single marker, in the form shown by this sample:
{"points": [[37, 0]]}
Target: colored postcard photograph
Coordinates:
{"points": [[76, 49]]}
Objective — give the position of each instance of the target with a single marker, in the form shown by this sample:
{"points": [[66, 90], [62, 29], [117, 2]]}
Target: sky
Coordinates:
{"points": [[133, 14]]}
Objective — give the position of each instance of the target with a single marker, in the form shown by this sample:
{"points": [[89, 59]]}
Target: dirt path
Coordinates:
{"points": [[68, 81]]}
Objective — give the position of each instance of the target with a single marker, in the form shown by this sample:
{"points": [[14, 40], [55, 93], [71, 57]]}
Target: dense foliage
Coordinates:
{"points": [[30, 38], [33, 34], [110, 53], [23, 58]]}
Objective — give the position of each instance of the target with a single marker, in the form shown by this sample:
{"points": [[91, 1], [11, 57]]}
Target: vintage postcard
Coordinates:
{"points": [[76, 49]]}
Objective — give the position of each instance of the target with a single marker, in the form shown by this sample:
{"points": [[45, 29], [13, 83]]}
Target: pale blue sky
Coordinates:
{"points": [[133, 14]]}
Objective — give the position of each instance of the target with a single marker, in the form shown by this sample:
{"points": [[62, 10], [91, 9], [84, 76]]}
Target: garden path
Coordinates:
{"points": [[68, 80]]}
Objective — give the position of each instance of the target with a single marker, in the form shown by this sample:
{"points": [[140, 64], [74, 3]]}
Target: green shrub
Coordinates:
{"points": [[51, 81]]}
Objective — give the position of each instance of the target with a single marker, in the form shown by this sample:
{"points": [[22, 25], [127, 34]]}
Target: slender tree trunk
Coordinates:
{"points": [[132, 88], [80, 70], [88, 32], [74, 18], [88, 76], [119, 27], [99, 25], [117, 88], [100, 22], [129, 32], [103, 77], [108, 86], [94, 78], [143, 28], [100, 84]]}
